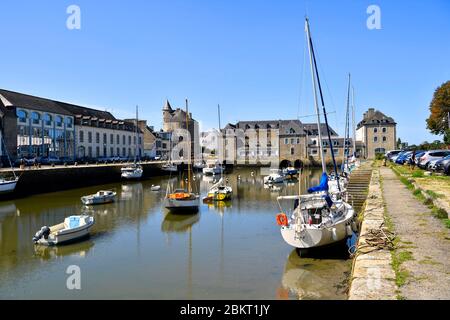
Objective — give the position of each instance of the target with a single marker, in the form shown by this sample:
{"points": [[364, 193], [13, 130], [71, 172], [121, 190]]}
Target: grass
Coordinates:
{"points": [[433, 194], [398, 258], [447, 223]]}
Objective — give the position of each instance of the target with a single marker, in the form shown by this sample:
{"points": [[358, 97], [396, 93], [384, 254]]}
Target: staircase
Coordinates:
{"points": [[358, 185]]}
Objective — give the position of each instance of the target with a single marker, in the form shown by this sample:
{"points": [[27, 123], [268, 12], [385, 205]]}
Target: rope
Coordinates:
{"points": [[376, 239]]}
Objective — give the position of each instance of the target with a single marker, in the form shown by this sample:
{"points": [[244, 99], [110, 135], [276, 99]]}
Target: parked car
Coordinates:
{"points": [[443, 165], [391, 153], [431, 155], [394, 157], [401, 159]]}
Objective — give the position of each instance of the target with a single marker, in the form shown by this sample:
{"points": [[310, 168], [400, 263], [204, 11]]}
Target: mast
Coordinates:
{"points": [[136, 136], [353, 122], [324, 169], [189, 153], [220, 135], [347, 128], [313, 58]]}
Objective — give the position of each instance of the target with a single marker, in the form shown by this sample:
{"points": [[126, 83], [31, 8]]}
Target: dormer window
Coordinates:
{"points": [[35, 117], [59, 121], [22, 115], [48, 119]]}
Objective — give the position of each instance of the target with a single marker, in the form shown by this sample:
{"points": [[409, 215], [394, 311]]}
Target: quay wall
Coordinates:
{"points": [[51, 179], [372, 276]]}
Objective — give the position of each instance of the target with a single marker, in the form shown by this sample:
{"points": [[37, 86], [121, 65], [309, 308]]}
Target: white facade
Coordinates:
{"points": [[97, 142]]}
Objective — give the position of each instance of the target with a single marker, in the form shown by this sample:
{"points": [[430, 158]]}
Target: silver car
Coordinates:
{"points": [[431, 155]]}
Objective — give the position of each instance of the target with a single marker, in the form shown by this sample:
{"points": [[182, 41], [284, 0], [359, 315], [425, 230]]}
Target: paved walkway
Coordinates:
{"points": [[421, 234]]}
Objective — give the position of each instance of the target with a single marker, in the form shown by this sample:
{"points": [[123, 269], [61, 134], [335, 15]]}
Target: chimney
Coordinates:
{"points": [[371, 112]]}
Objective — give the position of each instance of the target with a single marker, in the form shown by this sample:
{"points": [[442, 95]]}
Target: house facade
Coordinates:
{"points": [[377, 132]]}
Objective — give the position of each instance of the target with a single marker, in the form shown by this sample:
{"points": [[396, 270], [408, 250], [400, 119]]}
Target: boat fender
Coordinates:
{"points": [[282, 219], [334, 234]]}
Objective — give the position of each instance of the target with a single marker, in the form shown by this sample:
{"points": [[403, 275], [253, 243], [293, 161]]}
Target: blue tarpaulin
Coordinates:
{"points": [[323, 185]]}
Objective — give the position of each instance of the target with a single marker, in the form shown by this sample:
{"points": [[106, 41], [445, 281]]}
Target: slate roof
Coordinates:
{"points": [[375, 117]]}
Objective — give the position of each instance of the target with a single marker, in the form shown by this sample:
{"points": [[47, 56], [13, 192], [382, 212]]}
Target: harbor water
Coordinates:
{"points": [[137, 250]]}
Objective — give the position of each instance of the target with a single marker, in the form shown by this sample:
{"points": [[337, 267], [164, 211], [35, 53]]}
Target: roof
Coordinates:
{"points": [[167, 106], [88, 112], [311, 129], [375, 117], [11, 98]]}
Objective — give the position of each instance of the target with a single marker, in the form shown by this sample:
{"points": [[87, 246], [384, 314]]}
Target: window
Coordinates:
{"points": [[35, 117], [104, 152], [22, 115], [118, 139], [292, 140], [292, 131], [90, 152], [129, 152], [111, 151], [97, 138], [47, 119], [375, 139], [111, 138], [292, 151], [118, 152], [59, 121], [90, 137], [124, 154], [140, 141], [286, 141], [298, 140], [81, 136], [105, 138], [69, 122], [375, 130], [123, 142], [384, 130], [97, 151], [129, 140], [384, 139]]}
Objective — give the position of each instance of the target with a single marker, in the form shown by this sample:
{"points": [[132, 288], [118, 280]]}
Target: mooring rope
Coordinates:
{"points": [[375, 239]]}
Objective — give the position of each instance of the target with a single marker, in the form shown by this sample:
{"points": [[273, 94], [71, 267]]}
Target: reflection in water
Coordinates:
{"points": [[229, 250], [308, 278]]}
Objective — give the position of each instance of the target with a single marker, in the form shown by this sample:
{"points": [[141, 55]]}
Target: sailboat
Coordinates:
{"points": [[220, 191], [8, 185], [135, 170], [317, 219], [183, 200]]}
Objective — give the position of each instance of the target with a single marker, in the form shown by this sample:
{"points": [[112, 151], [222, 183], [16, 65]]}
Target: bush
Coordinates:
{"points": [[379, 156]]}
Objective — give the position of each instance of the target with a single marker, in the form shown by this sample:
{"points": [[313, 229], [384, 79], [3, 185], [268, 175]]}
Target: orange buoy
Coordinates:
{"points": [[282, 220]]}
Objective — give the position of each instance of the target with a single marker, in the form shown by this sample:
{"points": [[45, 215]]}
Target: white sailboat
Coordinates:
{"points": [[220, 191], [135, 170], [317, 219], [8, 185], [183, 200], [275, 176]]}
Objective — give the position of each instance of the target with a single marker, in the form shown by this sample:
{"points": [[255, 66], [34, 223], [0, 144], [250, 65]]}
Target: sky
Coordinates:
{"points": [[248, 56]]}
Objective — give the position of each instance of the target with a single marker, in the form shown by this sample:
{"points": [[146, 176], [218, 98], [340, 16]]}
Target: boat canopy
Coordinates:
{"points": [[323, 185]]}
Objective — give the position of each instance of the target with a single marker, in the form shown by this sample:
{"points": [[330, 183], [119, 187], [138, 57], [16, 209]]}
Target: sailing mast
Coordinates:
{"points": [[353, 122], [189, 151], [347, 129], [220, 135], [136, 137], [314, 66], [324, 169]]}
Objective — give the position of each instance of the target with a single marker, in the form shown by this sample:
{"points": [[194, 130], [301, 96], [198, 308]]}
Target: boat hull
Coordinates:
{"points": [[7, 186], [182, 206], [315, 236], [95, 201], [67, 236]]}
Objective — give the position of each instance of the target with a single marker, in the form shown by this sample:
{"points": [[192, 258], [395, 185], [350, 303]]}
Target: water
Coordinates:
{"points": [[138, 251]]}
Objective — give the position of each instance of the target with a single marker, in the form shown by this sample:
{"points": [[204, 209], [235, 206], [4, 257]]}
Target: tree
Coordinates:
{"points": [[399, 143], [438, 121]]}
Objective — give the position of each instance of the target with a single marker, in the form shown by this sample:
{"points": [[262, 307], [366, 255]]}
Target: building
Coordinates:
{"points": [[47, 127], [163, 144], [295, 143], [377, 132], [149, 136], [174, 119]]}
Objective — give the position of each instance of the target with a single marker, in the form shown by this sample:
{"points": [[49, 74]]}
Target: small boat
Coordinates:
{"points": [[276, 176], [212, 169], [101, 197], [220, 191], [170, 167], [290, 171], [73, 228], [7, 186], [183, 200], [155, 188], [198, 166], [134, 171]]}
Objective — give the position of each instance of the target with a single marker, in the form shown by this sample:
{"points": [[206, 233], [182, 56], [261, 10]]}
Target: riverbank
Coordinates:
{"points": [[403, 245]]}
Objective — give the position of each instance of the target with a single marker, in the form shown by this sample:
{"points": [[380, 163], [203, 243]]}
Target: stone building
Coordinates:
{"points": [[377, 132], [49, 128], [149, 137], [174, 119]]}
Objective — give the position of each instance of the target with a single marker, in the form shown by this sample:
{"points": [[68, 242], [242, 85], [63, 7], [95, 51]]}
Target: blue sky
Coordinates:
{"points": [[247, 56]]}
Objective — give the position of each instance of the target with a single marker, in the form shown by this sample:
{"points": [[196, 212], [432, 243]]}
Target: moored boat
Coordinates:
{"points": [[73, 228], [276, 176], [101, 197], [7, 186], [133, 171]]}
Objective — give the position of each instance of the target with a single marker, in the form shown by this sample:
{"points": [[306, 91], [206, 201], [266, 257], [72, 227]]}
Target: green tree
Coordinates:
{"points": [[399, 143], [438, 121]]}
